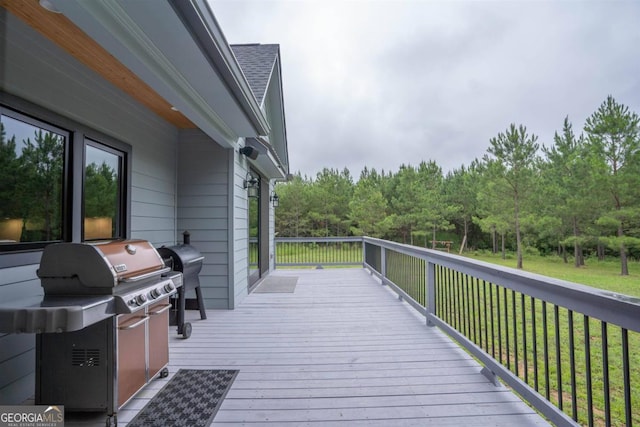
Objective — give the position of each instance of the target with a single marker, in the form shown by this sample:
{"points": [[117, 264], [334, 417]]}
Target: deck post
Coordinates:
{"points": [[383, 263], [430, 303], [491, 376]]}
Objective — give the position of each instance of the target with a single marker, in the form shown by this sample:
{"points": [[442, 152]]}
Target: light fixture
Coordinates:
{"points": [[251, 183], [49, 6], [250, 152], [274, 199]]}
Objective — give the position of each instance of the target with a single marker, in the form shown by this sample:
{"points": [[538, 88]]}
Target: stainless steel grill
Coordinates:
{"points": [[109, 303]]}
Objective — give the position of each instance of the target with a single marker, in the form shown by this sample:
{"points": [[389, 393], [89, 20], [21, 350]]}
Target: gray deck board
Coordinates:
{"points": [[341, 350]]}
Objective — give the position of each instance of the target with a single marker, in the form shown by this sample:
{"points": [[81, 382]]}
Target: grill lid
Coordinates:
{"points": [[78, 268], [182, 256]]}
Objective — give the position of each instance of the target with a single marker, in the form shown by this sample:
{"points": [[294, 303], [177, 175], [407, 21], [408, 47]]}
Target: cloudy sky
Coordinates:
{"points": [[385, 83]]}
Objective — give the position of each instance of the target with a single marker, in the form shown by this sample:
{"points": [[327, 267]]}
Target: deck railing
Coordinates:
{"points": [[569, 350], [318, 251]]}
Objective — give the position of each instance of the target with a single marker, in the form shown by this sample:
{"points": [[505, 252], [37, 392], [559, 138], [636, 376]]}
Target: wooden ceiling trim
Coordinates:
{"points": [[61, 31]]}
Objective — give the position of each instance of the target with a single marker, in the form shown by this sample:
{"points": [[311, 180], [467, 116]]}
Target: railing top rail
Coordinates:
{"points": [[319, 239], [618, 309]]}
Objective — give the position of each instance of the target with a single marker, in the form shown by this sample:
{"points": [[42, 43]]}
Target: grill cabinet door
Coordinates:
{"points": [[158, 336], [132, 358]]}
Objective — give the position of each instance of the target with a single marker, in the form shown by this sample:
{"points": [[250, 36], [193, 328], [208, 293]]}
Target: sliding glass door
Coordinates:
{"points": [[254, 231]]}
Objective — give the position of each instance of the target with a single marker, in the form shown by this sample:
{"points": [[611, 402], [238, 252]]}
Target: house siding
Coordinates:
{"points": [[38, 71], [240, 227], [204, 175]]}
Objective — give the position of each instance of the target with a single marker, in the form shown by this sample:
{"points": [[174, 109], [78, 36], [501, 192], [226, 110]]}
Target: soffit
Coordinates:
{"points": [[60, 30]]}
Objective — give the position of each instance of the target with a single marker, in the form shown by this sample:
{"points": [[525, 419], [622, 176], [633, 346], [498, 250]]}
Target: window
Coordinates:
{"points": [[102, 192], [32, 172], [59, 181]]}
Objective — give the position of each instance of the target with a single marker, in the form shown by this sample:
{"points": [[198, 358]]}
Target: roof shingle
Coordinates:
{"points": [[256, 62]]}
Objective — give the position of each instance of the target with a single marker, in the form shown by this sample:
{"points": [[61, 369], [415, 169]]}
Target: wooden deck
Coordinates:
{"points": [[341, 350]]}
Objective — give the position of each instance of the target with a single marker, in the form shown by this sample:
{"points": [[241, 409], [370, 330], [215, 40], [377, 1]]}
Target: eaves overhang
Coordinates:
{"points": [[280, 143], [267, 162], [198, 16], [178, 49]]}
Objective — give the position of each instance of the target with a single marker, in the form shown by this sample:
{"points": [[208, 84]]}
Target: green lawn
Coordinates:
{"points": [[599, 274]]}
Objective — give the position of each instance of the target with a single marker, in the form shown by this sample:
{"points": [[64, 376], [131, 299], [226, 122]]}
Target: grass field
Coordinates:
{"points": [[599, 274]]}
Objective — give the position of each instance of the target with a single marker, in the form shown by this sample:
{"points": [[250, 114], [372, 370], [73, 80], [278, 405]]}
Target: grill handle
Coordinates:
{"points": [[193, 261], [164, 308], [134, 325], [146, 276]]}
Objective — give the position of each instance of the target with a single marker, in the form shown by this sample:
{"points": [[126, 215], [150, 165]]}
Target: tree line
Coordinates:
{"points": [[580, 195]]}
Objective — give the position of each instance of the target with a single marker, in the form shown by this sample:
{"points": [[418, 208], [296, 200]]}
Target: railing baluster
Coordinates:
{"points": [[556, 317], [499, 323], [506, 327], [515, 330], [493, 340], [457, 305], [486, 319], [545, 331], [524, 338], [626, 374], [476, 310], [467, 310], [587, 362], [451, 296], [440, 312], [422, 282], [605, 374], [572, 366], [463, 304], [535, 345]]}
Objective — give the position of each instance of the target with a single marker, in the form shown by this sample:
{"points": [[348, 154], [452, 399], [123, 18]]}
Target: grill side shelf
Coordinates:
{"points": [[54, 314]]}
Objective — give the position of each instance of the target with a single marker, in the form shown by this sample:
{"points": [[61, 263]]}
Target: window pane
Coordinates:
{"points": [[102, 177], [31, 182]]}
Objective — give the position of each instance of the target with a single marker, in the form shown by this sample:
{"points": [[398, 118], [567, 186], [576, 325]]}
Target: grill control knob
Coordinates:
{"points": [[155, 293], [141, 299], [169, 287]]}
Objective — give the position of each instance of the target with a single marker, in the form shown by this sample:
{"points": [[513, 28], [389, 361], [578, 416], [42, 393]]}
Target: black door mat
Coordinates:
{"points": [[277, 284], [191, 399]]}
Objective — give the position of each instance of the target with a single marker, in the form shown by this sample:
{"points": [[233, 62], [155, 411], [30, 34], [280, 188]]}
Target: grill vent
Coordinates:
{"points": [[85, 358]]}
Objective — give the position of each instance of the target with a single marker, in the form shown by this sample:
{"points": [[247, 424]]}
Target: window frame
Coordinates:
{"points": [[79, 136], [122, 210], [66, 193]]}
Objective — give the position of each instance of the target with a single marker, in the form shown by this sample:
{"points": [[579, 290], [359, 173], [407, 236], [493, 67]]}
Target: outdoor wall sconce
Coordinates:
{"points": [[250, 152], [251, 184], [274, 199]]}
